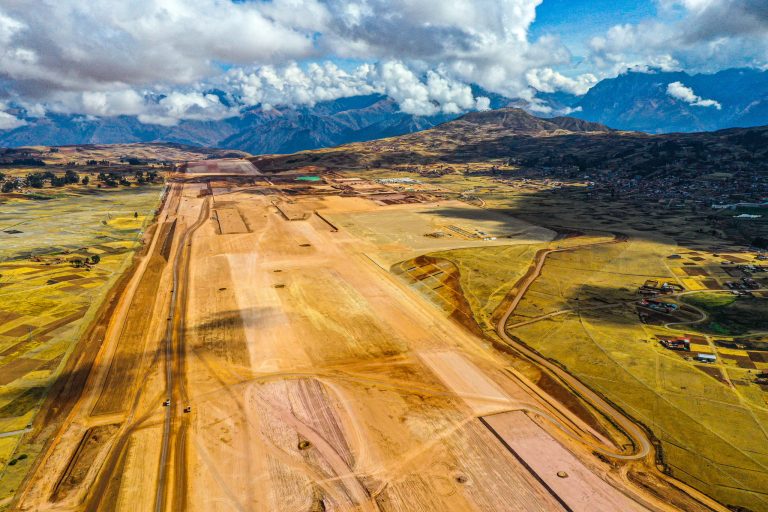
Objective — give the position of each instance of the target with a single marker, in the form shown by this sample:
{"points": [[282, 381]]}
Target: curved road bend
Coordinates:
{"points": [[637, 434], [173, 328]]}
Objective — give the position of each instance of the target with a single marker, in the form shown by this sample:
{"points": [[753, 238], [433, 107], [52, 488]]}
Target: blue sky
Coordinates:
{"points": [[577, 21]]}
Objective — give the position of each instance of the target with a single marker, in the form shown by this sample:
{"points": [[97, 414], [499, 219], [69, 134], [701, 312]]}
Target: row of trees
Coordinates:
{"points": [[39, 179], [113, 179]]}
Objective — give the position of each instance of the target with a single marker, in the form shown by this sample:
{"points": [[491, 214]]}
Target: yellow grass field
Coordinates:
{"points": [[46, 302]]}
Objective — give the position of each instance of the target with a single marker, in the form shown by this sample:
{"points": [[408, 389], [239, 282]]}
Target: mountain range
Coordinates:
{"points": [[632, 101], [642, 102]]}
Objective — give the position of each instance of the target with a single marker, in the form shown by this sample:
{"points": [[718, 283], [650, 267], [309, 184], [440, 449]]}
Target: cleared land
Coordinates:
{"points": [[404, 231], [222, 166], [302, 375]]}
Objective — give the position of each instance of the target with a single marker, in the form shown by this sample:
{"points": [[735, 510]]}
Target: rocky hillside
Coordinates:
{"points": [[512, 136]]}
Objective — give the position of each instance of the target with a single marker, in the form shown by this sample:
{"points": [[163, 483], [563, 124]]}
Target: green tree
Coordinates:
{"points": [[71, 176], [85, 180], [35, 180]]}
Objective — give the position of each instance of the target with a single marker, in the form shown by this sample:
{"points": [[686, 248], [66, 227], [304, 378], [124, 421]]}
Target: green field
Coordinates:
{"points": [[731, 315], [69, 221], [615, 354]]}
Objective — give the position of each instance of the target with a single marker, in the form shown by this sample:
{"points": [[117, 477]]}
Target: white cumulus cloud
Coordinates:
{"points": [[291, 85], [549, 80], [695, 35], [9, 121], [105, 57], [680, 92]]}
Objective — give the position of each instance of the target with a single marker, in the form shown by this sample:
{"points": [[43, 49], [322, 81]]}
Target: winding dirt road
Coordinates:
{"points": [[637, 434]]}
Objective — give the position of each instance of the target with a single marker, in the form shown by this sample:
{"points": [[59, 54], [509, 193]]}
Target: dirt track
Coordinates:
{"points": [[316, 381]]}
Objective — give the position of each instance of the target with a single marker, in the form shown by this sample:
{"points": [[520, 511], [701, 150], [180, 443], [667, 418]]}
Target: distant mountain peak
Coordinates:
{"points": [[519, 121]]}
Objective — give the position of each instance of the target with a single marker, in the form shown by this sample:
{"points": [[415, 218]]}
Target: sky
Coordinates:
{"points": [[159, 60], [575, 22]]}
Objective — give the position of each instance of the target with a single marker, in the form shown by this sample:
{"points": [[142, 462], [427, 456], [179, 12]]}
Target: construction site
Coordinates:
{"points": [[265, 353]]}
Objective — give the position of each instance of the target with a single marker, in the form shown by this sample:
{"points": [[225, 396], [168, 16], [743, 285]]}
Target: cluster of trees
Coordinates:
{"points": [[78, 262], [38, 179], [28, 162], [149, 177], [132, 161], [113, 179], [8, 185]]}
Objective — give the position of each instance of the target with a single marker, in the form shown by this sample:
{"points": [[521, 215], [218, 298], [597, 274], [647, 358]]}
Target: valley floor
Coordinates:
{"points": [[263, 357]]}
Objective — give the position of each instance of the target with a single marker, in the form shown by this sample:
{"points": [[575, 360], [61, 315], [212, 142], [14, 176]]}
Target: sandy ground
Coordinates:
{"points": [[577, 485], [398, 232], [332, 385], [315, 380]]}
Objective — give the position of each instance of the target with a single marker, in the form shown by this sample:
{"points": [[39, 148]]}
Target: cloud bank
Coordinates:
{"points": [[160, 59], [695, 35], [109, 57]]}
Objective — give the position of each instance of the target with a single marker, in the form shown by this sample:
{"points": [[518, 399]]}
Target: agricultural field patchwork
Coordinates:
{"points": [[584, 313], [58, 260]]}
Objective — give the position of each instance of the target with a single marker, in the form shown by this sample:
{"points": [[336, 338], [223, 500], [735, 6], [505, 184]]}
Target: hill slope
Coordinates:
{"points": [[512, 135]]}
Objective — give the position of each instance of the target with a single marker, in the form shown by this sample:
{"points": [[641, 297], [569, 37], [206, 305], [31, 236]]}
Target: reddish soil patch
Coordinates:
{"points": [[758, 357], [67, 277], [695, 271], [19, 330], [8, 316], [743, 362], [566, 397], [18, 368], [732, 271], [92, 442], [713, 372], [450, 290]]}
